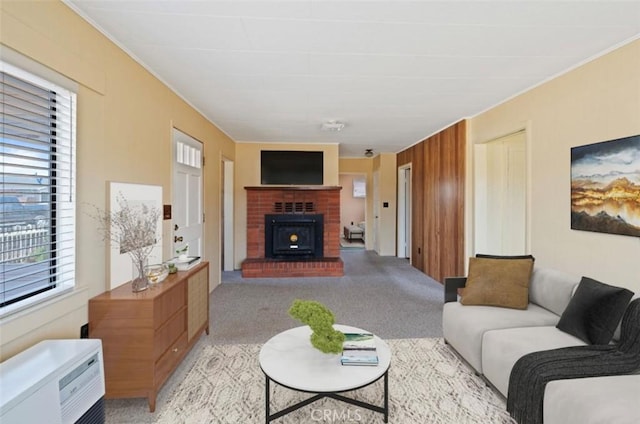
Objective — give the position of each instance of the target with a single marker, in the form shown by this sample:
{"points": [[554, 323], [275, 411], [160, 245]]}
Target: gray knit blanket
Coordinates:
{"points": [[532, 372]]}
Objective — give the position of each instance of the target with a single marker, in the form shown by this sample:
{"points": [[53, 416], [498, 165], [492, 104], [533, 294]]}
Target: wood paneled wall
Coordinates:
{"points": [[437, 196]]}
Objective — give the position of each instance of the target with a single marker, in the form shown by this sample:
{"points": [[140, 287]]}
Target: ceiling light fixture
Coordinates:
{"points": [[332, 125], [368, 153]]}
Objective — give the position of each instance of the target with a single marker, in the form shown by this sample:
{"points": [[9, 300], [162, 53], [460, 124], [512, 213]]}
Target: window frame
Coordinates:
{"points": [[62, 199]]}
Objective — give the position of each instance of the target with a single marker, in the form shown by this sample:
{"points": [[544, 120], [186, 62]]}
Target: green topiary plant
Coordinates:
{"points": [[317, 316]]}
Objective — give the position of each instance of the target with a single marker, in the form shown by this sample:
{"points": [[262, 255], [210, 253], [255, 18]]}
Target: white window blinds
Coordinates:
{"points": [[37, 186]]}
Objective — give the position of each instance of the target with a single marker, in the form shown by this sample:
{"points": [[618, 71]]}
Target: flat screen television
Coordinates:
{"points": [[287, 167]]}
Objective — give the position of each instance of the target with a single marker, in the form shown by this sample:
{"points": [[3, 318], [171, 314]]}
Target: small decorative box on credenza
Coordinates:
{"points": [[146, 334]]}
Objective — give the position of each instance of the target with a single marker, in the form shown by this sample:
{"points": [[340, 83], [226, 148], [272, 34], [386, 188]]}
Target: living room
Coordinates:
{"points": [[125, 116]]}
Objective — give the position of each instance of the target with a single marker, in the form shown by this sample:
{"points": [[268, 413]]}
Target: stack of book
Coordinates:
{"points": [[185, 264], [359, 349]]}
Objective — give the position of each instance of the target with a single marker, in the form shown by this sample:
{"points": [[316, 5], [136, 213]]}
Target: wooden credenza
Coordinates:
{"points": [[145, 335]]}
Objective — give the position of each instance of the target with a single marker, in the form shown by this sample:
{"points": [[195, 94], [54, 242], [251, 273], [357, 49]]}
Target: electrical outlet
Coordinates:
{"points": [[84, 331]]}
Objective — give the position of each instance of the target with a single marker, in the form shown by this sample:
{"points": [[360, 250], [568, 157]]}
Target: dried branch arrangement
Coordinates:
{"points": [[132, 228]]}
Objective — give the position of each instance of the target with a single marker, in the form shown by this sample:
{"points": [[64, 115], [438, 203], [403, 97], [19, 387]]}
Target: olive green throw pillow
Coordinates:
{"points": [[498, 282]]}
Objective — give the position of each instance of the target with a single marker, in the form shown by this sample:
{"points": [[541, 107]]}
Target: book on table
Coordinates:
{"points": [[359, 349]]}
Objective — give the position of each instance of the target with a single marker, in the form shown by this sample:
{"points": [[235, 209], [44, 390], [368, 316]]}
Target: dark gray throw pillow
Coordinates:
{"points": [[594, 311], [486, 256]]}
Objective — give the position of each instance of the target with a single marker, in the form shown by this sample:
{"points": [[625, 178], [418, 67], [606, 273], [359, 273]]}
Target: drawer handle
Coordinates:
{"points": [[175, 349]]}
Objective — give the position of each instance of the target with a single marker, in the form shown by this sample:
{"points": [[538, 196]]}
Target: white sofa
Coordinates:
{"points": [[491, 339]]}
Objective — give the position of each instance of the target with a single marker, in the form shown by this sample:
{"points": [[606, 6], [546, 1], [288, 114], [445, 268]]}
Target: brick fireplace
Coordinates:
{"points": [[296, 203]]}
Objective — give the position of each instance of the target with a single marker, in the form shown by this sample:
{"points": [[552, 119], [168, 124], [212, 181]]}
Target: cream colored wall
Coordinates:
{"points": [[247, 169], [385, 164], [124, 122], [596, 102]]}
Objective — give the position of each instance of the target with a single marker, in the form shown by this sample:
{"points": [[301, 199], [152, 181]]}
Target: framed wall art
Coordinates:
{"points": [[605, 187], [359, 188], [120, 264]]}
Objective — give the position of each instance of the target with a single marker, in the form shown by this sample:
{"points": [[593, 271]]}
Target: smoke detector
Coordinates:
{"points": [[368, 153], [332, 126]]}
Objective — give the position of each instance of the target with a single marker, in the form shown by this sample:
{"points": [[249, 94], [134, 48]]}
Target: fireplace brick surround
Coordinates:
{"points": [[264, 200]]}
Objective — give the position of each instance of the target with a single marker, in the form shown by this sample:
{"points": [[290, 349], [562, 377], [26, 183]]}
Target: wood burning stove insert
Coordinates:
{"points": [[292, 236]]}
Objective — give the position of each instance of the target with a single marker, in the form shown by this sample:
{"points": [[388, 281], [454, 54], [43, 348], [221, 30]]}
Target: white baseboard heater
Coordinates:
{"points": [[56, 382]]}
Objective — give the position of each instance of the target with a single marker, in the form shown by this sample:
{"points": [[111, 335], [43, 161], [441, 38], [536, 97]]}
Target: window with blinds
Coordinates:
{"points": [[37, 187]]}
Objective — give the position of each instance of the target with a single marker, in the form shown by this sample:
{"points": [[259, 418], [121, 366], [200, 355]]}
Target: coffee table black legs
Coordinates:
{"points": [[383, 410], [285, 411], [270, 417], [386, 396], [266, 397]]}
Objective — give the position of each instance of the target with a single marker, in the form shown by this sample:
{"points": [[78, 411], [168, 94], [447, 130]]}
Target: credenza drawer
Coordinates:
{"points": [[171, 357], [169, 303], [169, 332]]}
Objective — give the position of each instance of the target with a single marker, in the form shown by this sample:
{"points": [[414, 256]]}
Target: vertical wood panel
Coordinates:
{"points": [[437, 170], [404, 157], [417, 188], [433, 206], [449, 235]]}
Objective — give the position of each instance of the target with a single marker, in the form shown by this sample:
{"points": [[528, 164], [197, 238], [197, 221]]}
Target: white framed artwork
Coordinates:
{"points": [[359, 188], [120, 264]]}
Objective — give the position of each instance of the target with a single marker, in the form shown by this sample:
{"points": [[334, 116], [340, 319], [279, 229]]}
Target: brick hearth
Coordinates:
{"points": [[270, 200]]}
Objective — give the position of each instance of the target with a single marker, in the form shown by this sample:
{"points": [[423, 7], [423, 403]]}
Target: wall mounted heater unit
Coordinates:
{"points": [[56, 382]]}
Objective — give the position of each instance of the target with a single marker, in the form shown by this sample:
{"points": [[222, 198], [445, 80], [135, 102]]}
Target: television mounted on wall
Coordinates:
{"points": [[289, 167]]}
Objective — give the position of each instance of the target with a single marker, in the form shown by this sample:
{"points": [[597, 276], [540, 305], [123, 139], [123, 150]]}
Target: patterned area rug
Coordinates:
{"points": [[427, 384]]}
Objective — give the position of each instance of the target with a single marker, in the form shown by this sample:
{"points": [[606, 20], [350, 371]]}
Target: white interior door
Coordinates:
{"points": [[514, 240], [187, 213], [501, 196]]}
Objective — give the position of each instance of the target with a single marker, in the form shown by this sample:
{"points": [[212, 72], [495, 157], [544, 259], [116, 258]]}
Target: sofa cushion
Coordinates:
{"points": [[502, 348], [498, 282], [592, 400], [594, 312], [552, 289], [463, 326]]}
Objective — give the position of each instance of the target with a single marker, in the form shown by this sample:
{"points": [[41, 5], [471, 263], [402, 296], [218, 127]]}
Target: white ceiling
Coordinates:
{"points": [[394, 71]]}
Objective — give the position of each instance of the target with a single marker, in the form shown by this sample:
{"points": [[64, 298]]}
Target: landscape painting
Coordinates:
{"points": [[605, 187]]}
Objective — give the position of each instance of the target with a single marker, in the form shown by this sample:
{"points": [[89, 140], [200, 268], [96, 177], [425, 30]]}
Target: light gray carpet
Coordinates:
{"points": [[384, 295]]}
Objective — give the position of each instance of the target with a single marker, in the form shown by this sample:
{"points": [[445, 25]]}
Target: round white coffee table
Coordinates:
{"points": [[290, 360]]}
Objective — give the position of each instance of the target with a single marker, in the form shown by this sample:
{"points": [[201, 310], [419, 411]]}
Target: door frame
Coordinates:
{"points": [[354, 175], [404, 212], [376, 211], [227, 217]]}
